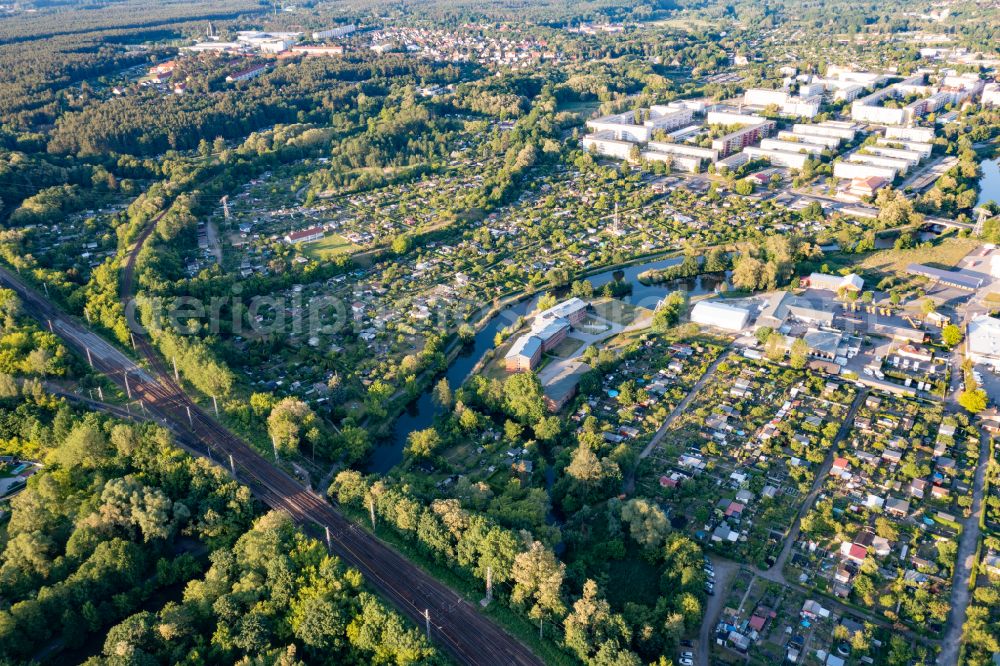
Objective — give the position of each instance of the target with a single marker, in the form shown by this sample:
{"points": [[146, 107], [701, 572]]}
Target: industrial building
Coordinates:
{"points": [[991, 94], [720, 315], [983, 337], [549, 328], [956, 279], [334, 33], [835, 283], [782, 307]]}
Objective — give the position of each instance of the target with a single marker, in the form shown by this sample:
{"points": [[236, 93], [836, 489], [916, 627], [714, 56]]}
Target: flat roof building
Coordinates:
{"points": [[781, 158], [984, 340], [956, 279], [840, 130], [918, 134], [572, 309], [824, 141], [852, 170], [900, 166], [791, 146], [741, 138], [720, 315]]}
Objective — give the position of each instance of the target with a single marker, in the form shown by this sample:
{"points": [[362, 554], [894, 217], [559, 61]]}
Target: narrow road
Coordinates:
{"points": [[965, 563], [629, 486]]}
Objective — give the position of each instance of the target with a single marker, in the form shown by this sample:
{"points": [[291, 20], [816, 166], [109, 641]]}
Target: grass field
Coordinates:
{"points": [[566, 348], [945, 254], [329, 247], [618, 311]]}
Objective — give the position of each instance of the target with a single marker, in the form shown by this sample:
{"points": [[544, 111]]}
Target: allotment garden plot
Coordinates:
{"points": [[734, 467], [884, 532]]}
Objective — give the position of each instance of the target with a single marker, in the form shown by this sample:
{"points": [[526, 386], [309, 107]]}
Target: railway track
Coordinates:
{"points": [[454, 623]]}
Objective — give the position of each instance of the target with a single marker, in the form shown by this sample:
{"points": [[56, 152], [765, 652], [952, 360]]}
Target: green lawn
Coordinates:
{"points": [[328, 247], [566, 348]]}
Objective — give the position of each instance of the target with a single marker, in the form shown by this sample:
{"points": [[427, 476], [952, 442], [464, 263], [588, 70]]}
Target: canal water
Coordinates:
{"points": [[420, 413], [989, 182]]}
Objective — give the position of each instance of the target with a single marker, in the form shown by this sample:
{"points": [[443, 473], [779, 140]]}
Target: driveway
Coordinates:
{"points": [[725, 572]]}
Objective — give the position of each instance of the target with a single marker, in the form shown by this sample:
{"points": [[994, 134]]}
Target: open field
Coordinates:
{"points": [[329, 247], [947, 253]]}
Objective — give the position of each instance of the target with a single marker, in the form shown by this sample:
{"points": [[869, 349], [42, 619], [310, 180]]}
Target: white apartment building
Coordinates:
{"points": [[678, 162], [901, 166], [851, 170], [734, 161], [791, 146], [684, 150], [625, 128], [604, 143], [910, 156], [777, 157], [923, 149], [805, 105], [733, 118], [841, 130], [919, 134], [824, 141]]}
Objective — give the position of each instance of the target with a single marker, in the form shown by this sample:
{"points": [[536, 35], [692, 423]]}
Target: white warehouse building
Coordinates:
{"points": [[720, 315], [984, 340]]}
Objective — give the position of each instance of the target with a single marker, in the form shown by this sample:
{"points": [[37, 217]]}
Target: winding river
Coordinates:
{"points": [[420, 413]]}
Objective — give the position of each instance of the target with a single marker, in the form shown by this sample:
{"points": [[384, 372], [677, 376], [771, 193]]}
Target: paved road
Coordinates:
{"points": [[681, 407], [965, 563], [456, 625]]}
